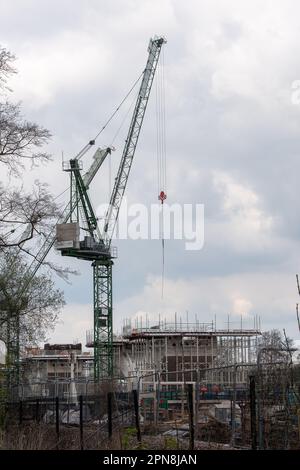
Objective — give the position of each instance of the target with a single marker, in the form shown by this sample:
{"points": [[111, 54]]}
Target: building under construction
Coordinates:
{"points": [[164, 358], [178, 351], [166, 355], [173, 368]]}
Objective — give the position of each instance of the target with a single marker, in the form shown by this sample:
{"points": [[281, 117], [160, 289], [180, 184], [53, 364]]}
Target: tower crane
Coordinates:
{"points": [[96, 246]]}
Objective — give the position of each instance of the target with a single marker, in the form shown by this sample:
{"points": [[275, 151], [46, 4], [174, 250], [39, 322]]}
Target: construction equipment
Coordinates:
{"points": [[96, 247]]}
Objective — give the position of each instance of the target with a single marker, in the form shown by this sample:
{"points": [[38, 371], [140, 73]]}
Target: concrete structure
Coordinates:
{"points": [[177, 352], [160, 360], [55, 370]]}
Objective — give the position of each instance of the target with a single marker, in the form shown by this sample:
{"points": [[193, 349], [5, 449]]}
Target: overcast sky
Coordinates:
{"points": [[233, 144]]}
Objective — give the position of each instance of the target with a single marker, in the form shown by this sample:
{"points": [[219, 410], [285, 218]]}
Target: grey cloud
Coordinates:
{"points": [[225, 113]]}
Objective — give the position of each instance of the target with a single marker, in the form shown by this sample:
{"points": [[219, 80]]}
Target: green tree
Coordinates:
{"points": [[39, 306]]}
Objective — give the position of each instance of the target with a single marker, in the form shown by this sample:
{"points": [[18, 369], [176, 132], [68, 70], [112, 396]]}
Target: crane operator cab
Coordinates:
{"points": [[69, 244]]}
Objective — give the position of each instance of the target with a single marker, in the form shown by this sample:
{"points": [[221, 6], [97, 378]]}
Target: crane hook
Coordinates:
{"points": [[162, 196]]}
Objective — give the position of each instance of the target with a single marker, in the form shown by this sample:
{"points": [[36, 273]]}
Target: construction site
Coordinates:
{"points": [[165, 384], [188, 383], [175, 353]]}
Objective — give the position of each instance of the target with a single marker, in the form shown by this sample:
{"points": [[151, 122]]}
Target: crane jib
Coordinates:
{"points": [[132, 139]]}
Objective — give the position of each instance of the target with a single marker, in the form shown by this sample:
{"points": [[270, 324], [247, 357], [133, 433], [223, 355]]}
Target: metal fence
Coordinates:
{"points": [[87, 422], [262, 413]]}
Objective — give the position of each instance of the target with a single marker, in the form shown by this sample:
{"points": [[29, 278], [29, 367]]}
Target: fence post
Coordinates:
{"points": [[253, 412], [109, 413], [37, 411], [81, 421], [137, 416], [156, 401], [233, 410], [20, 412], [298, 414], [191, 416], [57, 418], [197, 386]]}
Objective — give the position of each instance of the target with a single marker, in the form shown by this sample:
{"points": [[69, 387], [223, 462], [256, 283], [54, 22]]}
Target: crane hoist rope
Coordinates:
{"points": [[92, 141], [161, 153], [113, 139], [161, 126]]}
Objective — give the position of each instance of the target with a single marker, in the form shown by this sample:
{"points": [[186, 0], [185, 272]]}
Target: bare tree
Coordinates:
{"points": [[6, 67], [20, 140], [273, 347], [23, 215]]}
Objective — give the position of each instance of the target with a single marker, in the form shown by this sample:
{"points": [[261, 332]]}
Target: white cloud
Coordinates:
{"points": [[70, 60], [269, 295], [74, 322], [241, 306], [246, 225]]}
